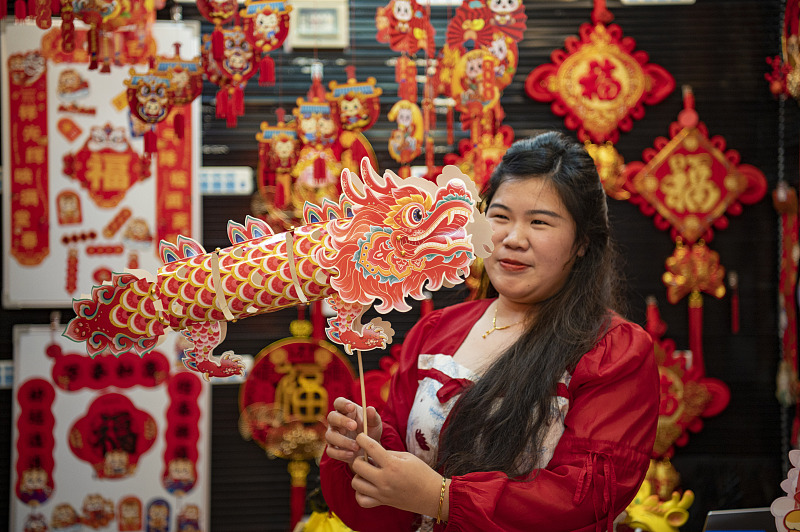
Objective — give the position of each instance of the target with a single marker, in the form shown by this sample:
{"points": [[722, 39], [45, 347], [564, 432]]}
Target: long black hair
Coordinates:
{"points": [[504, 416]]}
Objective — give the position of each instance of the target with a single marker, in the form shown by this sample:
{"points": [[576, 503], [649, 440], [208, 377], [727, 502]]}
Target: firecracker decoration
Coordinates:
{"points": [[598, 83], [129, 514], [34, 483], [266, 25], [784, 199], [285, 399], [354, 252], [610, 165], [186, 83], [151, 97], [106, 165], [405, 141], [181, 433], [112, 436], [277, 154], [784, 77], [158, 516], [355, 107]]}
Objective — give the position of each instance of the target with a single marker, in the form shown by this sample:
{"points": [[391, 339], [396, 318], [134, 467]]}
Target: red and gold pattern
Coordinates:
{"points": [[690, 182], [30, 237], [599, 84], [106, 165], [693, 269], [610, 166], [480, 160], [385, 240], [174, 178]]}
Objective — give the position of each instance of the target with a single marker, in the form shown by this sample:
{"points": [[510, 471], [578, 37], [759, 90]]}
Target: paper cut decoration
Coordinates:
{"points": [[405, 141], [386, 239], [277, 154], [406, 26], [112, 436], [599, 84], [355, 107], [189, 518], [231, 70], [151, 97], [266, 25], [106, 165]]}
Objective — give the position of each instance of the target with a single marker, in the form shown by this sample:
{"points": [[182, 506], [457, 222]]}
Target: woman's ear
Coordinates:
{"points": [[582, 248]]}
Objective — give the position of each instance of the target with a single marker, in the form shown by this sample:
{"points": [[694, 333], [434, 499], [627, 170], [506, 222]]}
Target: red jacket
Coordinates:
{"points": [[596, 469]]}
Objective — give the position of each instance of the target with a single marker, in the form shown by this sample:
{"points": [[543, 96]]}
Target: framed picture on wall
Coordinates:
{"points": [[319, 24]]}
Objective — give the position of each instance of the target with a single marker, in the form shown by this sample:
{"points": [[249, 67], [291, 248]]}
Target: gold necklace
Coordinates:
{"points": [[495, 327]]}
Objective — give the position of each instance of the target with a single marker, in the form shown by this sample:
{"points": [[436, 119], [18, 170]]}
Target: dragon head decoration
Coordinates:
{"points": [[405, 235]]}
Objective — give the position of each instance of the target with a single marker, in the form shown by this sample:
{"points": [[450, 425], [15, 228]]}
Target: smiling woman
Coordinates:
{"points": [[533, 409]]}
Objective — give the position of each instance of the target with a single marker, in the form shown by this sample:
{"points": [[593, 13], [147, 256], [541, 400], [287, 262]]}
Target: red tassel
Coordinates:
{"points": [[218, 44], [267, 71], [319, 170], [3, 9], [180, 125], [93, 42], [696, 331], [55, 6], [32, 8], [317, 321], [20, 11], [222, 102], [231, 114], [238, 100], [150, 141], [450, 136], [733, 283], [429, 154]]}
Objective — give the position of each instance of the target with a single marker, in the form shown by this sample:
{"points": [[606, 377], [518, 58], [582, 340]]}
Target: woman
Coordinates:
{"points": [[532, 411]]}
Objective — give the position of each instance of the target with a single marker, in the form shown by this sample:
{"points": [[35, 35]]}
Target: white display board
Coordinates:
{"points": [[74, 482], [66, 254]]}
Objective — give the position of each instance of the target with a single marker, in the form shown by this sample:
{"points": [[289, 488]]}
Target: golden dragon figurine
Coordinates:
{"points": [[387, 238]]}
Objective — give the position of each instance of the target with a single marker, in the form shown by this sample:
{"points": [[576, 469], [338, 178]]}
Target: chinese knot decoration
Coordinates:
{"points": [[689, 183], [599, 84], [784, 79]]}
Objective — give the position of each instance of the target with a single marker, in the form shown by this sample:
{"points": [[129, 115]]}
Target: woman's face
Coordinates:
{"points": [[534, 237]]}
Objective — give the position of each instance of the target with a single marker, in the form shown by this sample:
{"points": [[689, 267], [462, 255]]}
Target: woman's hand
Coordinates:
{"points": [[397, 479], [344, 423]]}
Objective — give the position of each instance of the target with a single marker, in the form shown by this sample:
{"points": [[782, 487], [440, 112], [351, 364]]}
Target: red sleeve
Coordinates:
{"points": [[335, 476], [600, 460]]}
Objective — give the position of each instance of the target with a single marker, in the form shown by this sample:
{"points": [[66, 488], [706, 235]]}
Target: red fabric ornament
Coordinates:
{"points": [[218, 12], [231, 71], [406, 26], [278, 149], [690, 182], [151, 97], [405, 142], [355, 107], [186, 82], [599, 84]]}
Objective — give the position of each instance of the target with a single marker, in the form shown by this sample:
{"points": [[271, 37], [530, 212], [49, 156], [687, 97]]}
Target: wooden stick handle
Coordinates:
{"points": [[363, 395]]}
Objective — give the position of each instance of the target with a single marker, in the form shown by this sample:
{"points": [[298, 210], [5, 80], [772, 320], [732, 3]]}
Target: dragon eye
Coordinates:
{"points": [[414, 215]]}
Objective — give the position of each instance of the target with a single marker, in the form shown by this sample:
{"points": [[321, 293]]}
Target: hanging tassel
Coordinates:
{"points": [[93, 43], [429, 155], [267, 71], [180, 124], [151, 140], [426, 307], [222, 102], [319, 170], [55, 7], [230, 112], [218, 44], [67, 27], [32, 8], [600, 14], [733, 283], [20, 11], [317, 320], [450, 119], [696, 331], [238, 100]]}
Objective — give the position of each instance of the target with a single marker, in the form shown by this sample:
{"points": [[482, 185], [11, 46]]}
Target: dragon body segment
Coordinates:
{"points": [[384, 240]]}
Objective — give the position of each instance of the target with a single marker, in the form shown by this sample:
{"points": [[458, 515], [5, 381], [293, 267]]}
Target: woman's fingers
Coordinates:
{"points": [[341, 422]]}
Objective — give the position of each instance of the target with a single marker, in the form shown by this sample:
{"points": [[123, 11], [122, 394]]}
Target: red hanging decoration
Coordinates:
{"points": [[599, 84], [150, 98]]}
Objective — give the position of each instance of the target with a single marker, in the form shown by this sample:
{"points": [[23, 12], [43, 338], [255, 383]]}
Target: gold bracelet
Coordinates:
{"points": [[441, 501]]}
